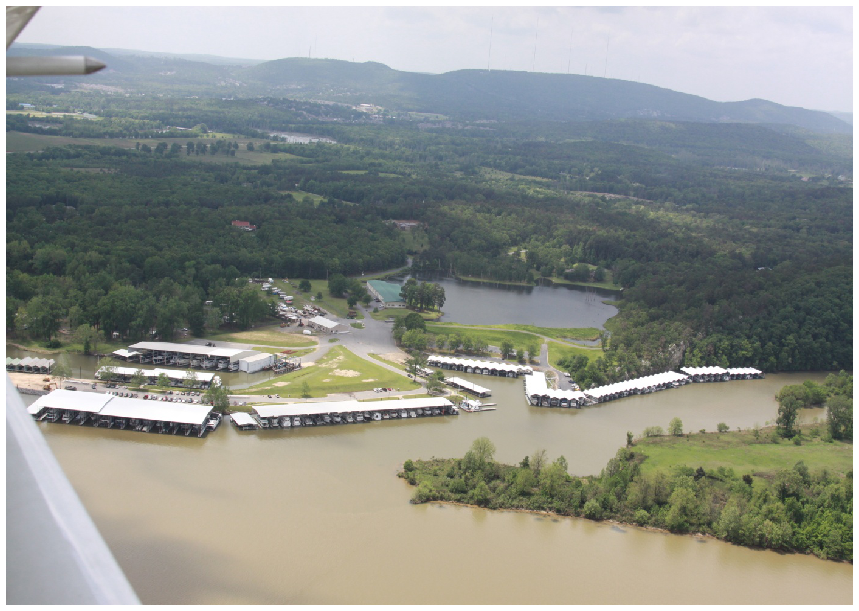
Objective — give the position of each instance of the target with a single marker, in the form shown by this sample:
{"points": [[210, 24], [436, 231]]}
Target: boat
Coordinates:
{"points": [[420, 412], [326, 418], [436, 411], [296, 421], [308, 421], [377, 416], [359, 417], [208, 363], [403, 414], [195, 362], [412, 414], [67, 417], [183, 362], [367, 416], [234, 366], [386, 415], [350, 419], [337, 419]]}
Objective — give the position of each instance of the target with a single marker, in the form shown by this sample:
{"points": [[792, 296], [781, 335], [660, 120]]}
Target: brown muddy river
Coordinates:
{"points": [[317, 516]]}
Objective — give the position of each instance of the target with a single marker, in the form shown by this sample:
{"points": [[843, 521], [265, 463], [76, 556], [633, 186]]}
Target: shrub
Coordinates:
{"points": [[592, 510], [641, 517], [722, 427]]}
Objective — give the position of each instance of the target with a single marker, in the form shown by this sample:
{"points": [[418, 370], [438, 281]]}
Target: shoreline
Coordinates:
{"points": [[652, 529]]}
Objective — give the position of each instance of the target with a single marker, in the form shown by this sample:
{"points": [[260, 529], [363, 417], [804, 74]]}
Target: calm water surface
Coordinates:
{"points": [[477, 303], [318, 515]]}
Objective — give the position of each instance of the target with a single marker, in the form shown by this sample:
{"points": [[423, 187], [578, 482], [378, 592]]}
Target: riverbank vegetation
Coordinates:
{"points": [[807, 507]]}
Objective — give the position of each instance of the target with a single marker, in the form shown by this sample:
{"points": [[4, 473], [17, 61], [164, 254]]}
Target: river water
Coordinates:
{"points": [[478, 303], [318, 515]]}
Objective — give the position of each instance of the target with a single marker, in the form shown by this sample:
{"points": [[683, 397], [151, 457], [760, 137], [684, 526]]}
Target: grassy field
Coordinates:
{"points": [[585, 333], [743, 453], [388, 361], [558, 351], [272, 336], [339, 371], [491, 335], [401, 312]]}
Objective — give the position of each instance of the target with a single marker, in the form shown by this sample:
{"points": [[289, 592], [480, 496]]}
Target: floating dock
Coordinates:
{"points": [[537, 392], [292, 415], [109, 411], [488, 368], [467, 386], [717, 374]]}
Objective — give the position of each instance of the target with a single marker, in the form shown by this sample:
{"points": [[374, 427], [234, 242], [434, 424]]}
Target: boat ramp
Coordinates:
{"points": [[101, 410], [295, 415]]}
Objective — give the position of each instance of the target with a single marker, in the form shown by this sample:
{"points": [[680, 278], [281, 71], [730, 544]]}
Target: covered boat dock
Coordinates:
{"points": [[467, 386], [28, 364], [190, 355], [706, 374], [489, 368], [202, 379], [109, 411], [291, 415], [538, 393]]}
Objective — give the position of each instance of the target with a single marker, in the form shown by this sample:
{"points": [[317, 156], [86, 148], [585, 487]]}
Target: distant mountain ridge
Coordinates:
{"points": [[469, 95]]}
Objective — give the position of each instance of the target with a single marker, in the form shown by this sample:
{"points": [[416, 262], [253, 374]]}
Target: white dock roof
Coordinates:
{"points": [[744, 371], [67, 399], [122, 407], [703, 370], [229, 353], [243, 419], [450, 360], [342, 407], [173, 374], [535, 384], [468, 385]]}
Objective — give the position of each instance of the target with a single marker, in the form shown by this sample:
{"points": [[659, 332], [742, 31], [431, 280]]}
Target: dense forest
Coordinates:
{"points": [[731, 242]]}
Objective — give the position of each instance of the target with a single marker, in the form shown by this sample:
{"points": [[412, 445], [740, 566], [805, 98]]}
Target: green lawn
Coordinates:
{"points": [[272, 336], [585, 333], [401, 312], [557, 351], [387, 361], [339, 371], [741, 452], [491, 335]]}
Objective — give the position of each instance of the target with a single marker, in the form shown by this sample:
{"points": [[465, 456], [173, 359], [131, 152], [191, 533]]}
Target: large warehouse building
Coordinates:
{"points": [[193, 356]]}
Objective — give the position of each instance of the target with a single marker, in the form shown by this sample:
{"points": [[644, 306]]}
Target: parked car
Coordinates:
{"points": [[69, 387]]}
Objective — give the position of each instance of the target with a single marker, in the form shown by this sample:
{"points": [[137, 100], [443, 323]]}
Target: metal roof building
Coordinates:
{"points": [[344, 407], [387, 292]]}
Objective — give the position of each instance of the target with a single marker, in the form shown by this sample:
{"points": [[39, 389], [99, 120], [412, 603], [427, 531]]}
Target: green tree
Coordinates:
{"points": [[506, 349], [89, 336], [304, 286], [483, 449], [190, 379], [305, 389], [722, 427], [675, 427], [788, 408], [163, 382], [138, 379], [218, 395], [413, 320], [839, 417], [62, 370]]}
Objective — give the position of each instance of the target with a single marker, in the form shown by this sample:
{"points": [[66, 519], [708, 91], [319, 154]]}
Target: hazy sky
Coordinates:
{"points": [[798, 56]]}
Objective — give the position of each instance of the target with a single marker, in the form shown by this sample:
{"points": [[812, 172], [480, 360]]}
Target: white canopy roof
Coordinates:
{"points": [[243, 419], [744, 371], [122, 407], [341, 407], [468, 385], [173, 374], [67, 399], [450, 360], [667, 377], [230, 353], [703, 370], [125, 353], [324, 322], [535, 384]]}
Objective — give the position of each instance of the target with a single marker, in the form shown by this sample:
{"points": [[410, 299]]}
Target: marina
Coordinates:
{"points": [[29, 364], [110, 411], [197, 379], [467, 386]]}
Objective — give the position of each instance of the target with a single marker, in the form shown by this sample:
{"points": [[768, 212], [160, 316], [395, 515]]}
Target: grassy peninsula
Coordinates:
{"points": [[726, 485]]}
